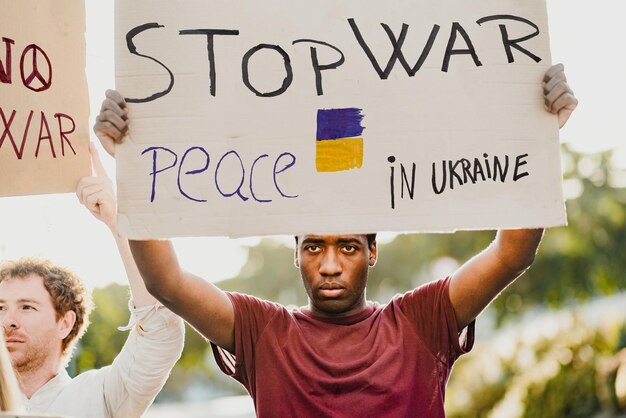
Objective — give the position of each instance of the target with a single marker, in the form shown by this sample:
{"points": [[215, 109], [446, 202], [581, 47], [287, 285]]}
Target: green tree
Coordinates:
{"points": [[103, 341], [584, 259]]}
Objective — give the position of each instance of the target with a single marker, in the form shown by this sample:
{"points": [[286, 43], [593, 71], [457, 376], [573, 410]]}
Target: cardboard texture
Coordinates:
{"points": [[284, 117], [44, 104]]}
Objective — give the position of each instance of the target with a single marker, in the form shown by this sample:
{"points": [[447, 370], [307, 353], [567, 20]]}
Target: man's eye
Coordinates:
{"points": [[28, 307], [313, 248], [349, 248], [3, 308]]}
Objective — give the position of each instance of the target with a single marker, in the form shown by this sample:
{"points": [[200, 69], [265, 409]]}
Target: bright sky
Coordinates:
{"points": [[585, 36]]}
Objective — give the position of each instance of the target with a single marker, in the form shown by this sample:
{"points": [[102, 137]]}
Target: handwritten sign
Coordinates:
{"points": [[44, 106], [286, 117]]}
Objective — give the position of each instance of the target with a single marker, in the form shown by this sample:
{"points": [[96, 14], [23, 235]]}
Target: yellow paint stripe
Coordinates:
{"points": [[339, 154]]}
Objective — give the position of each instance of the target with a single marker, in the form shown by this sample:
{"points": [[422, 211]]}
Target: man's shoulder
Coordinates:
{"points": [[243, 301], [73, 396], [428, 291], [88, 378]]}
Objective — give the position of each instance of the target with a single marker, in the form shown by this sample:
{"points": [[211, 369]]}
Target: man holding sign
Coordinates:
{"points": [[341, 355], [44, 311]]}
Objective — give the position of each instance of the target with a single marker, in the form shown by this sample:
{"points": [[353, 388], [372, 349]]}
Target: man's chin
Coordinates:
{"points": [[18, 359], [333, 307]]}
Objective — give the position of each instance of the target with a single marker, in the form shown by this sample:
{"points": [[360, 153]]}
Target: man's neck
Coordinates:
{"points": [[31, 380], [353, 310]]}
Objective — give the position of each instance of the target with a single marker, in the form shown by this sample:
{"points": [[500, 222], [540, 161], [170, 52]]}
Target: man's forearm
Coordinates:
{"points": [[516, 248], [478, 281], [140, 295]]}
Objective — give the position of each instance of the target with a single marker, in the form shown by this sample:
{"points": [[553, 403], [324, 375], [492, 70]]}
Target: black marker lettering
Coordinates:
{"points": [[133, 50], [519, 161], [513, 43], [470, 50], [316, 65], [443, 178], [210, 34], [498, 169], [245, 62], [392, 160], [410, 188]]}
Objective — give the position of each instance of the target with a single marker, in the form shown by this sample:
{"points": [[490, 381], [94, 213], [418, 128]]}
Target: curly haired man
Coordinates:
{"points": [[44, 310]]}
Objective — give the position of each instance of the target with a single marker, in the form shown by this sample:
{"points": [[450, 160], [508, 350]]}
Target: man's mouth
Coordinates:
{"points": [[331, 290]]}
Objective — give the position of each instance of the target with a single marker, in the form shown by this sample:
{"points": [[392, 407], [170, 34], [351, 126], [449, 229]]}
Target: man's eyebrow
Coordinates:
{"points": [[24, 300], [349, 241], [32, 301], [312, 241]]}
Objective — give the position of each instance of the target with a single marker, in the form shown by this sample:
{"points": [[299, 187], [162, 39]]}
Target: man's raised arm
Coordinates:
{"points": [[476, 283], [203, 305], [129, 385], [96, 193]]}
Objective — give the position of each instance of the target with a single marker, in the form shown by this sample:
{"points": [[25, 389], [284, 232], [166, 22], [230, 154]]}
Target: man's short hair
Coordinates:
{"points": [[66, 290], [370, 239]]}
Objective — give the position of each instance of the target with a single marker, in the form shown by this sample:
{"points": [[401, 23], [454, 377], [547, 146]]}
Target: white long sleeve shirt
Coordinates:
{"points": [[126, 388]]}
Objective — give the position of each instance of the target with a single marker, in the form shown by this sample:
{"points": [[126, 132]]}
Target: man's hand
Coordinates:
{"points": [[96, 192], [559, 97], [112, 121]]}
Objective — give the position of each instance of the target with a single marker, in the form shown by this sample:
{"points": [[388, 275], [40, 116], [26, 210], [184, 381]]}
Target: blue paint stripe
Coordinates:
{"points": [[339, 123]]}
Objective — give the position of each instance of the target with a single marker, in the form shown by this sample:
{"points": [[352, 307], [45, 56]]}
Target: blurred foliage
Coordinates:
{"points": [[575, 263], [554, 366], [586, 258], [103, 341]]}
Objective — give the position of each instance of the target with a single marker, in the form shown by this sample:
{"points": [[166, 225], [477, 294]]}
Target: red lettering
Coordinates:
{"points": [[12, 123], [32, 76], [7, 131], [43, 123], [63, 134], [5, 73]]}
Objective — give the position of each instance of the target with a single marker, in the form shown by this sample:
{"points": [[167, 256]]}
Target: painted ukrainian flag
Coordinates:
{"points": [[339, 144]]}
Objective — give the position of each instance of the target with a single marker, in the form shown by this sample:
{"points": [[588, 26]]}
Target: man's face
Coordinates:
{"points": [[32, 332], [334, 272]]}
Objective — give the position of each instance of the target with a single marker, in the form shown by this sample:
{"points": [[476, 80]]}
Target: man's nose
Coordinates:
{"points": [[9, 320], [331, 264]]}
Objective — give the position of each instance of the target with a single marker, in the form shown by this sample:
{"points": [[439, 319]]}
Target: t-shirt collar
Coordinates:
{"points": [[343, 320]]}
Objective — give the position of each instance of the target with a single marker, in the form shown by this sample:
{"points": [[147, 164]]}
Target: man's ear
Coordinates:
{"points": [[65, 324], [373, 254], [296, 261]]}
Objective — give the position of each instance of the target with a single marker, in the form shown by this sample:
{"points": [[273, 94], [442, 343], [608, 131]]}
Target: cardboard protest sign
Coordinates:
{"points": [[283, 117], [44, 105]]}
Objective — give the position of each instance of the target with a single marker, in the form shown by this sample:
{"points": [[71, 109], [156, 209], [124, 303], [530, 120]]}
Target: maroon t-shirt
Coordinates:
{"points": [[388, 361]]}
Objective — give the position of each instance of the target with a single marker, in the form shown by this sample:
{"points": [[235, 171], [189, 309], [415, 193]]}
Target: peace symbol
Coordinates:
{"points": [[35, 73]]}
